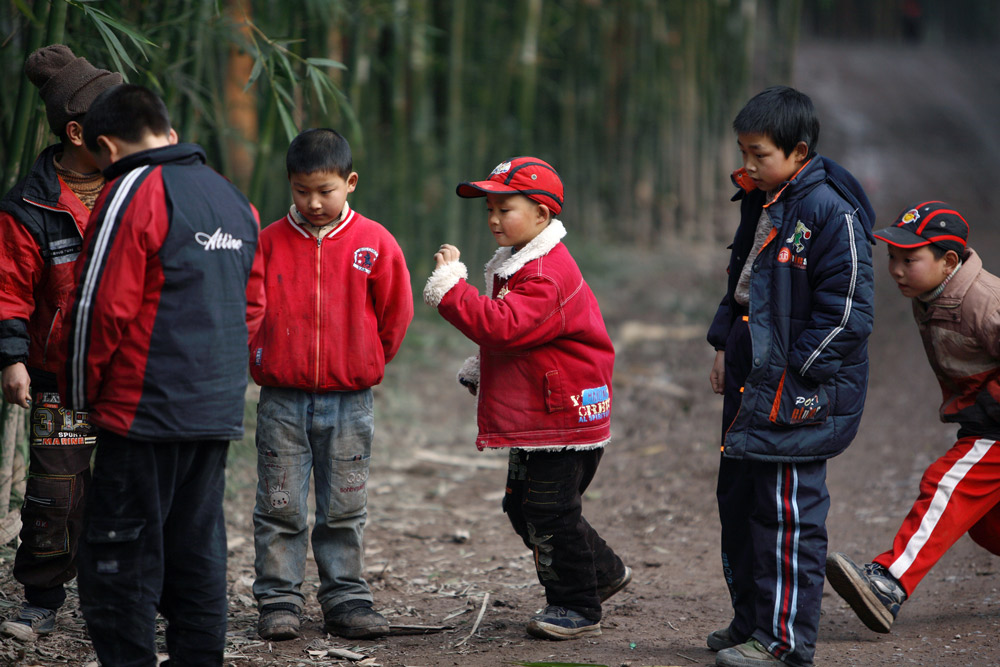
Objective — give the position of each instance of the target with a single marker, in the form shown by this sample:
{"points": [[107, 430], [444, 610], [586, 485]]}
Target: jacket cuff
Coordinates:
{"points": [[14, 342], [443, 279], [468, 374]]}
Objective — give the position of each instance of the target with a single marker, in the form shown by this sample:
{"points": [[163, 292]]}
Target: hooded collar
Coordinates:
{"points": [[505, 262], [185, 153]]}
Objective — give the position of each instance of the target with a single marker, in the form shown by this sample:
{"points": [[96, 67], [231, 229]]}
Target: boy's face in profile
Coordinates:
{"points": [[320, 195], [515, 219], [766, 164], [916, 270]]}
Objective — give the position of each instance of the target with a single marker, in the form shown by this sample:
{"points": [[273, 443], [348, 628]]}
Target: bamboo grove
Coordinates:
{"points": [[631, 100]]}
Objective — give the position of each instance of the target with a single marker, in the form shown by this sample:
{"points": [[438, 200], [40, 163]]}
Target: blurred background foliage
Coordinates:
{"points": [[631, 100]]}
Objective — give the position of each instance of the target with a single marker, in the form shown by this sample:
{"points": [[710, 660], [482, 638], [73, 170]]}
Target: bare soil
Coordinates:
{"points": [[913, 124]]}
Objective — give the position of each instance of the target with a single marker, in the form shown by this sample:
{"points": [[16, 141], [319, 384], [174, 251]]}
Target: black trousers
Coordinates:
{"points": [[544, 504], [60, 445], [155, 541]]}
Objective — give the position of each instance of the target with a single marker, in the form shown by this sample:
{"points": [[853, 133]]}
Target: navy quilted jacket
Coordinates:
{"points": [[811, 311]]}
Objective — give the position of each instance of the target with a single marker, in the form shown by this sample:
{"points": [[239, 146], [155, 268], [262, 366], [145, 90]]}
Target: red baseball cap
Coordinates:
{"points": [[528, 176], [930, 222]]}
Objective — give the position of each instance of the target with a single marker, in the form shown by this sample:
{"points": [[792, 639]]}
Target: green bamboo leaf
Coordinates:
{"points": [[326, 62], [258, 67], [316, 78], [26, 10], [286, 121], [115, 48]]}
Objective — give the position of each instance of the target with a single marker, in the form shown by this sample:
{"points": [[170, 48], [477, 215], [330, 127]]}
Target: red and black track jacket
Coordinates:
{"points": [[159, 328], [337, 307], [41, 233]]}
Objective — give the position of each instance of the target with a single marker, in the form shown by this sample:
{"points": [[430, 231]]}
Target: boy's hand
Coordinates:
{"points": [[16, 385], [718, 374], [447, 254]]}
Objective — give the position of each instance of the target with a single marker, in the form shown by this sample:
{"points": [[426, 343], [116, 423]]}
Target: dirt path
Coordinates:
{"points": [[911, 124]]}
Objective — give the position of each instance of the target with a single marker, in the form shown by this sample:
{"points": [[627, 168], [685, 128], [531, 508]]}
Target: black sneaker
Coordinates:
{"points": [[720, 639], [278, 621], [30, 623], [873, 593], [612, 587], [561, 623], [355, 619]]}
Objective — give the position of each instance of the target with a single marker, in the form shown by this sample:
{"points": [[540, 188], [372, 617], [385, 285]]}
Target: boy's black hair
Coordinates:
{"points": [[783, 114], [319, 149], [127, 112], [938, 251]]}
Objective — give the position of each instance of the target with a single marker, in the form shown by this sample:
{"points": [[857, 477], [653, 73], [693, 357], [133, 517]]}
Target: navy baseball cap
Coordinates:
{"points": [[930, 222]]}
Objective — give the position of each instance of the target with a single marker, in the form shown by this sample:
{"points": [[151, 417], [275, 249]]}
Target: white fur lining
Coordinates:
{"points": [[443, 279], [505, 262], [559, 448], [469, 371]]}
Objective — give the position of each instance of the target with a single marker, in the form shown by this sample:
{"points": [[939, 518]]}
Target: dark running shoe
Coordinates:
{"points": [[612, 587], [750, 654], [355, 619], [873, 593], [720, 639], [561, 623], [30, 623]]}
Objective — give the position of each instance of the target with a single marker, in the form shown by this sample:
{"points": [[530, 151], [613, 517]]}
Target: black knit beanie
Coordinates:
{"points": [[67, 84]]}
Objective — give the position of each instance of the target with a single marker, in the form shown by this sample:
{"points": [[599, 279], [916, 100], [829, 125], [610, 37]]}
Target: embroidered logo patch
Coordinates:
{"points": [[910, 216], [799, 236], [501, 168], [784, 255], [593, 404], [364, 259]]}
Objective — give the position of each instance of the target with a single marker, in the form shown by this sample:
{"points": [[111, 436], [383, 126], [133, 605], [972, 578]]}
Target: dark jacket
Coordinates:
{"points": [[41, 227], [811, 311], [158, 330]]}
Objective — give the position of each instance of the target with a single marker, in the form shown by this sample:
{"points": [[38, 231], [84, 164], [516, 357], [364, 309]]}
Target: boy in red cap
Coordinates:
{"points": [[42, 220], [543, 378], [956, 304]]}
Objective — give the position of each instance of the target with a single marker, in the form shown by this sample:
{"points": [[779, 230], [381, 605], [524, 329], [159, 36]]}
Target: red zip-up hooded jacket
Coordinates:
{"points": [[545, 359], [337, 307], [41, 233]]}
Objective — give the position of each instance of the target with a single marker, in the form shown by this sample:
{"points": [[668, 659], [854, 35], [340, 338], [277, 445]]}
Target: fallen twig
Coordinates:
{"points": [[687, 658], [475, 626]]}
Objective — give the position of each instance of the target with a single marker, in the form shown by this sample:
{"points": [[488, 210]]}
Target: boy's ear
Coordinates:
{"points": [[74, 133], [544, 213], [352, 181], [108, 151], [172, 137], [951, 260], [801, 151]]}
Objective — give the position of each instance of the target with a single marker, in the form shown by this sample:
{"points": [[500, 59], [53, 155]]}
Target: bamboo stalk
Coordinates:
{"points": [[27, 106], [12, 414]]}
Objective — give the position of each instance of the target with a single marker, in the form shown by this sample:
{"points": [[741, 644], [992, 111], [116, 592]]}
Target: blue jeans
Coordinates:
{"points": [[155, 540], [329, 434]]}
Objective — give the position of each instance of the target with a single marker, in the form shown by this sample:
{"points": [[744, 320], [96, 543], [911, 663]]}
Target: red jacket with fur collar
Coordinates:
{"points": [[545, 359]]}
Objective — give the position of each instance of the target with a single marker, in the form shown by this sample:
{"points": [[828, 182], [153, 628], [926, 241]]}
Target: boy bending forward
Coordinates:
{"points": [[956, 304], [543, 375]]}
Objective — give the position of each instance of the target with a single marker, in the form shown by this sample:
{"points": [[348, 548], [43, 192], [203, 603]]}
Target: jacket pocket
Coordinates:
{"points": [[799, 402], [553, 392]]}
